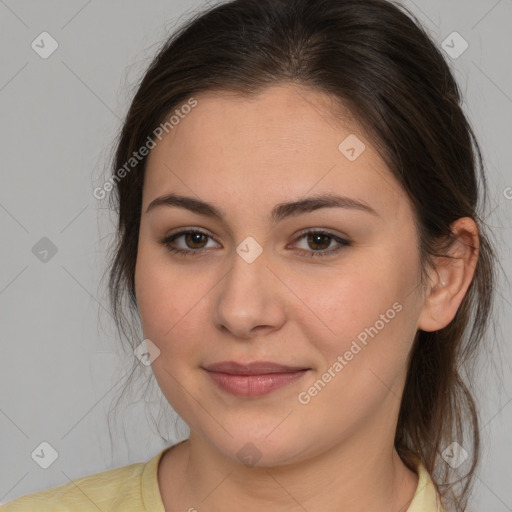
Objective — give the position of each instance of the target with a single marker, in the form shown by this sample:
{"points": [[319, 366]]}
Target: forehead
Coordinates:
{"points": [[281, 144]]}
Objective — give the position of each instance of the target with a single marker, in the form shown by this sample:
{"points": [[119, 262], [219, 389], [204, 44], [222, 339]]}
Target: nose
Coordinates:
{"points": [[250, 300]]}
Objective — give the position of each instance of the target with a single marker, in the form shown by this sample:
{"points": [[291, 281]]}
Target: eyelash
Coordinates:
{"points": [[194, 252]]}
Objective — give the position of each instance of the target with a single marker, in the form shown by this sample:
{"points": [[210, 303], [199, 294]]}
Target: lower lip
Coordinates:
{"points": [[254, 385]]}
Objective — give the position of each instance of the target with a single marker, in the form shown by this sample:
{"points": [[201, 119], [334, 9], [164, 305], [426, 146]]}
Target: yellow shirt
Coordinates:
{"points": [[134, 488]]}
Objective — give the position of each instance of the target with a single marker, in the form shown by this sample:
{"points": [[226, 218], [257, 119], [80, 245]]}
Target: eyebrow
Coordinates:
{"points": [[279, 211]]}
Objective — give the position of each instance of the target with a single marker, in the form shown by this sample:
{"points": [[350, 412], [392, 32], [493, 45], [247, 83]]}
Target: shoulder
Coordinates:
{"points": [[119, 489], [426, 497]]}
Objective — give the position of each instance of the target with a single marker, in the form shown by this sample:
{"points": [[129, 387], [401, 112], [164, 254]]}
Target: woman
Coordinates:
{"points": [[298, 197]]}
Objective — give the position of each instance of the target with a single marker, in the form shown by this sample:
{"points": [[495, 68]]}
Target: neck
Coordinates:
{"points": [[347, 477]]}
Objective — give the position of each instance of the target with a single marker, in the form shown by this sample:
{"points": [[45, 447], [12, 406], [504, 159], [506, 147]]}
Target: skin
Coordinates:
{"points": [[246, 155]]}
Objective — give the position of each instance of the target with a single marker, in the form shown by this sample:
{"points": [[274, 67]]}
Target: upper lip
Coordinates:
{"points": [[252, 368]]}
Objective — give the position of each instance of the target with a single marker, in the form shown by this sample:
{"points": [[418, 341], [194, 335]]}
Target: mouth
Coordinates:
{"points": [[254, 378]]}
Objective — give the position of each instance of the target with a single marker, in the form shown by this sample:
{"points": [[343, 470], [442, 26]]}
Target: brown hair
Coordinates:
{"points": [[373, 57]]}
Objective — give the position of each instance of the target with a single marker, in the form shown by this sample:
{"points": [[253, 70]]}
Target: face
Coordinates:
{"points": [[323, 286]]}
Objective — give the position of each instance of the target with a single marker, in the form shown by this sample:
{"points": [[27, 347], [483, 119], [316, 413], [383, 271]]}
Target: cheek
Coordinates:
{"points": [[161, 296], [165, 302], [346, 300], [170, 304], [155, 294], [364, 313]]}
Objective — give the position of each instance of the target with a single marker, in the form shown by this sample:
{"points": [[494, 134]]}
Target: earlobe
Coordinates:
{"points": [[451, 277]]}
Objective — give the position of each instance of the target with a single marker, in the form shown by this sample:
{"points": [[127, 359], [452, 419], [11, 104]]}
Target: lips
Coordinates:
{"points": [[253, 379], [254, 368]]}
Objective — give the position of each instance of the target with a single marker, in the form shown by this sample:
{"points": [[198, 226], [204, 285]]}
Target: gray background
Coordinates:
{"points": [[60, 365]]}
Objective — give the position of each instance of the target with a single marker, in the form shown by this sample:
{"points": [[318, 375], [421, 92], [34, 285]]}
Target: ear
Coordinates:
{"points": [[451, 276]]}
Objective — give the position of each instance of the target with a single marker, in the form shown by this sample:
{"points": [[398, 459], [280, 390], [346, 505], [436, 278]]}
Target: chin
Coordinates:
{"points": [[262, 450]]}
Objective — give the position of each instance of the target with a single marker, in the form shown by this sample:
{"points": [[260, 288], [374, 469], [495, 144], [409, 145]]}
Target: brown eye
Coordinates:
{"points": [[319, 241], [187, 242], [195, 240]]}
